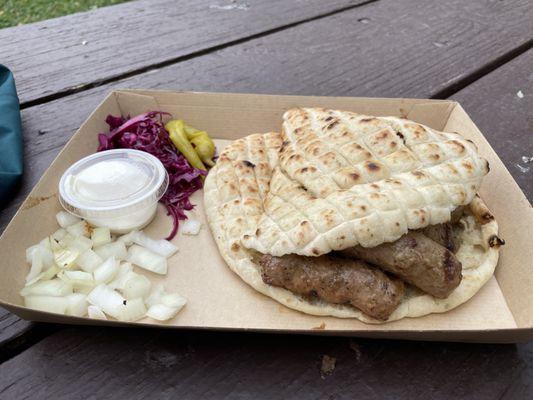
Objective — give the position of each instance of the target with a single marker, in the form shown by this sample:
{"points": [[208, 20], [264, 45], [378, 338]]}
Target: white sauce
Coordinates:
{"points": [[117, 189], [109, 180]]}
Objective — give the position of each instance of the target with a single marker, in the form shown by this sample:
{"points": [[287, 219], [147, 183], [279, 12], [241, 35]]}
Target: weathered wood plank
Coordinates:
{"points": [[138, 364], [504, 117], [10, 327], [68, 52]]}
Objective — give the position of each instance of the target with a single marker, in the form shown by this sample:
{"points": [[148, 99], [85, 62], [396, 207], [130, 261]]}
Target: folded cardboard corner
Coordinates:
{"points": [[502, 311]]}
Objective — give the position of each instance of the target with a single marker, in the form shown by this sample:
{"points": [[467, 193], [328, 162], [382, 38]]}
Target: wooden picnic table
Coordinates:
{"points": [[477, 52]]}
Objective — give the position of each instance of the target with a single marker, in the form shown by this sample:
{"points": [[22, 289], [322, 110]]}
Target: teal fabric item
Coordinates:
{"points": [[11, 162]]}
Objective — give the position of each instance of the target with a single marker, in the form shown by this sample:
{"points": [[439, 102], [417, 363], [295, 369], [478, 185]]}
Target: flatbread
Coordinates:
{"points": [[239, 200], [344, 179]]}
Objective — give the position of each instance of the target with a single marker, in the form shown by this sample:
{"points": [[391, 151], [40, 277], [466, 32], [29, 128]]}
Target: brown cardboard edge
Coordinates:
{"points": [[514, 335], [522, 321]]}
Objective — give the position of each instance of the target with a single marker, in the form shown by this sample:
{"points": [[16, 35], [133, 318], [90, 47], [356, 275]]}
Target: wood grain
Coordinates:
{"points": [[65, 53], [139, 364], [505, 118]]}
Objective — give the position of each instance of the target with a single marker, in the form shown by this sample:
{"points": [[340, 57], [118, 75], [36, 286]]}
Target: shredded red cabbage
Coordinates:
{"points": [[146, 132]]}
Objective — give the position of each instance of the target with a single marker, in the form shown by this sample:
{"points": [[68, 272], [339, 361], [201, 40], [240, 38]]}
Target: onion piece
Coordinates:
{"points": [[64, 242], [162, 312], [173, 300], [88, 261], [65, 219], [58, 235], [51, 304], [107, 271], [156, 296], [46, 254], [81, 228], [115, 249], [30, 251], [54, 287], [147, 259], [36, 265], [137, 286], [45, 276], [96, 312], [125, 271], [162, 247], [101, 236], [191, 227], [127, 239], [108, 300], [132, 310], [77, 304], [81, 244], [45, 243], [80, 280], [65, 258]]}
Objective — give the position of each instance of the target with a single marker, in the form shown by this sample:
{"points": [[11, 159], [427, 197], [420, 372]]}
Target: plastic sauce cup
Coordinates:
{"points": [[118, 189]]}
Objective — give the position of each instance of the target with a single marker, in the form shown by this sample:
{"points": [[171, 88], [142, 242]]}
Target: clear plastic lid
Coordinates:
{"points": [[112, 183]]}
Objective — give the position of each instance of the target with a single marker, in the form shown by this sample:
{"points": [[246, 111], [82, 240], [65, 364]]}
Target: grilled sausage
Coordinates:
{"points": [[457, 214], [417, 260], [335, 280], [442, 234]]}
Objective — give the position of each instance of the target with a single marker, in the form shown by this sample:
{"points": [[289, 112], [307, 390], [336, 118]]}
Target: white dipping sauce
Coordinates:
{"points": [[118, 189]]}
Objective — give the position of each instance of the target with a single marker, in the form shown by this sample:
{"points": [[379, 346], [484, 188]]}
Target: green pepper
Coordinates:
{"points": [[176, 131], [203, 144]]}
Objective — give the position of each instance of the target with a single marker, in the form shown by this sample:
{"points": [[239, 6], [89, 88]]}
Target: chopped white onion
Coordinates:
{"points": [[54, 287], [137, 286], [81, 228], [127, 239], [30, 251], [132, 310], [81, 244], [107, 271], [162, 312], [162, 247], [44, 276], [110, 301], [36, 264], [45, 243], [125, 271], [88, 260], [77, 304], [65, 219], [155, 297], [101, 236], [147, 259], [65, 258], [46, 254], [64, 242], [81, 281], [190, 227], [47, 303], [173, 300], [115, 249], [58, 235], [96, 312]]}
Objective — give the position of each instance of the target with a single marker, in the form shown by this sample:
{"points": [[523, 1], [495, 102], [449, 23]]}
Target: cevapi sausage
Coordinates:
{"points": [[335, 280], [417, 260], [442, 234]]}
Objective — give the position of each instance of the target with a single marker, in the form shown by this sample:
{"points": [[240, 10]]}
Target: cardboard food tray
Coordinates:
{"points": [[502, 311]]}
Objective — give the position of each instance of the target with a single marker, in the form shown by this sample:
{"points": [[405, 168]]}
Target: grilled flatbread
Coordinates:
{"points": [[303, 192]]}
